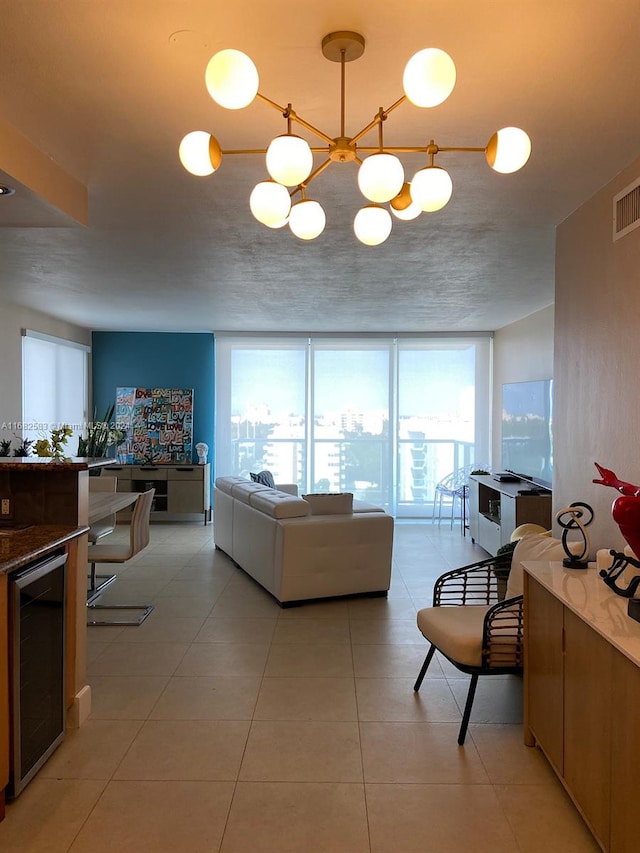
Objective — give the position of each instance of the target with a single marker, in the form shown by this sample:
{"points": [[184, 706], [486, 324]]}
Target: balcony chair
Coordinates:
{"points": [[455, 486], [138, 539], [476, 620]]}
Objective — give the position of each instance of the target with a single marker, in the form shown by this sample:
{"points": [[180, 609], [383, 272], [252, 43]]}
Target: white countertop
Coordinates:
{"points": [[585, 593]]}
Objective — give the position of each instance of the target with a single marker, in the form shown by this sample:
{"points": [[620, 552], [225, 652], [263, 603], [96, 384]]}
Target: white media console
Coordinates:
{"points": [[496, 508]]}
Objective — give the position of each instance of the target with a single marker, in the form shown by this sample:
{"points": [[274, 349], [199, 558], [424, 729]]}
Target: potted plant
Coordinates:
{"points": [[53, 446], [100, 435]]}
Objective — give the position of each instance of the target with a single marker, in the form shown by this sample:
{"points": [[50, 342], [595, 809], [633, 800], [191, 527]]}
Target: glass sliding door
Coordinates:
{"points": [[350, 403]]}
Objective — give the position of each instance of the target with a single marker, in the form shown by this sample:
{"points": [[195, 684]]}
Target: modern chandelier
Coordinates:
{"points": [[281, 199]]}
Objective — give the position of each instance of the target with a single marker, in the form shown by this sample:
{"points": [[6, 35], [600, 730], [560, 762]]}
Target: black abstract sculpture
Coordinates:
{"points": [[616, 569], [577, 516], [611, 577]]}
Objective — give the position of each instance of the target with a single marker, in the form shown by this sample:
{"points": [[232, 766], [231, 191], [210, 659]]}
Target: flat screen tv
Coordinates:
{"points": [[527, 430]]}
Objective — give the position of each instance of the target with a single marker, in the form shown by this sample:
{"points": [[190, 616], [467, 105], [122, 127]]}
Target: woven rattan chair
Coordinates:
{"points": [[469, 624], [476, 620]]}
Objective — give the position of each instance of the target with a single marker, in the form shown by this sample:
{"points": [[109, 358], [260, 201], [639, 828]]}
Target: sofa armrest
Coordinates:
{"points": [[289, 488]]}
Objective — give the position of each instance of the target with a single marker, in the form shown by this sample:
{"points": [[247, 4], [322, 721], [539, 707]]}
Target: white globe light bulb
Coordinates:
{"points": [[372, 225], [431, 188], [280, 224], [508, 150], [429, 77], [380, 177], [200, 153], [289, 159], [232, 79], [307, 219], [270, 203], [403, 206]]}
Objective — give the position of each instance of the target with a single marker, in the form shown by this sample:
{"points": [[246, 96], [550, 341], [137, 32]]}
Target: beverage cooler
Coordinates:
{"points": [[36, 662]]}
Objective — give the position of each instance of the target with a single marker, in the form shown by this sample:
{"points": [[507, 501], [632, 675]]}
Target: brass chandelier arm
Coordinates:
{"points": [[291, 115], [314, 174], [343, 90], [380, 116], [456, 148], [244, 151], [416, 149], [396, 149]]}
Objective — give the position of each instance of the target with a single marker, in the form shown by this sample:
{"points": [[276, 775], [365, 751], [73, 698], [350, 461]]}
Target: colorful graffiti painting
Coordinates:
{"points": [[157, 423]]}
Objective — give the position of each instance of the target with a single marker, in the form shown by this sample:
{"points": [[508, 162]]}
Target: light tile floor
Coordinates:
{"points": [[224, 723]]}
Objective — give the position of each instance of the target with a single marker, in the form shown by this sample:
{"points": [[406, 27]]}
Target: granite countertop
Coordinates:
{"points": [[22, 545], [68, 463]]}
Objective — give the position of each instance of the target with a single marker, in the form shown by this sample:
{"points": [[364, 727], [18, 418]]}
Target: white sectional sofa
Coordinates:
{"points": [[296, 555]]}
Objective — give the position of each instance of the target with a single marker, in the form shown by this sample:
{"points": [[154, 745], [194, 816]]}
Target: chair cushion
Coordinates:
{"points": [[335, 503], [534, 547], [265, 478], [109, 553], [455, 631]]}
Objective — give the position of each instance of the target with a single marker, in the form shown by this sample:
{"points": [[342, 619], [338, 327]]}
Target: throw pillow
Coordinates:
{"points": [[330, 503], [265, 478]]}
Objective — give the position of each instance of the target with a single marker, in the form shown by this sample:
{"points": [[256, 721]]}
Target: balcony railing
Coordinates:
{"points": [[360, 465]]}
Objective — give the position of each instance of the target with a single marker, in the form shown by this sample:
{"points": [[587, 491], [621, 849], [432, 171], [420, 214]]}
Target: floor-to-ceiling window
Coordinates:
{"points": [[383, 417], [442, 417]]}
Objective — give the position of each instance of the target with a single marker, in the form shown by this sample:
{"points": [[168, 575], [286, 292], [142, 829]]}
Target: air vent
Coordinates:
{"points": [[626, 210]]}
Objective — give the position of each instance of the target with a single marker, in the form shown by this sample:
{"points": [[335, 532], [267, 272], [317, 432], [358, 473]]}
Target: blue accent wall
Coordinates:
{"points": [[157, 360]]}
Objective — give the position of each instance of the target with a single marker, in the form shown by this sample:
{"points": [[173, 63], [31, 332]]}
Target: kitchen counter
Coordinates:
{"points": [[46, 508], [21, 546], [67, 463]]}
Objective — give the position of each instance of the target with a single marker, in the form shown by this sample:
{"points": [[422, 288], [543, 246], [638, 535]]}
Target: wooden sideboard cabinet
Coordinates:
{"points": [[491, 529], [180, 489], [582, 694]]}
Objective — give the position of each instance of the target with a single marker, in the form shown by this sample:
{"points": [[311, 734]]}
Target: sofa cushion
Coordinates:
{"points": [[325, 503], [264, 477], [279, 504], [243, 490], [226, 484], [365, 506]]}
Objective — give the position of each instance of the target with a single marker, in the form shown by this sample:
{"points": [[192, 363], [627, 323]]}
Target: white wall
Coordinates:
{"points": [[13, 319], [597, 357], [522, 351]]}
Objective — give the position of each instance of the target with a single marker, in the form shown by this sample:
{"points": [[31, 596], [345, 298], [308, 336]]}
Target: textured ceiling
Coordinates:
{"points": [[104, 91]]}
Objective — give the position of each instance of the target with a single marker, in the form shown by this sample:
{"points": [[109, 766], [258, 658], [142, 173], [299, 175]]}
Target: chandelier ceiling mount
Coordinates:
{"points": [[343, 46]]}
